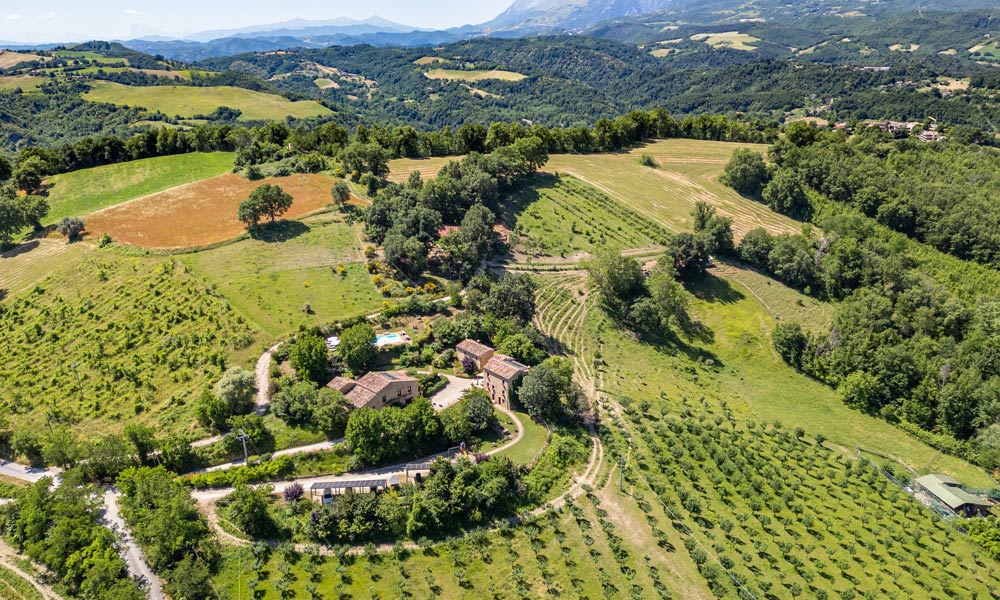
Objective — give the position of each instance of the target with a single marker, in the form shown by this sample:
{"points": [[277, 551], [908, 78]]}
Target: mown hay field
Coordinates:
{"points": [[480, 75], [25, 83], [29, 263], [202, 213], [9, 58], [185, 101], [82, 192], [688, 172]]}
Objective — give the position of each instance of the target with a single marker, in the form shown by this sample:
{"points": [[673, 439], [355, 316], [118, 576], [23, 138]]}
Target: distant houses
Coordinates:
{"points": [[378, 389]]}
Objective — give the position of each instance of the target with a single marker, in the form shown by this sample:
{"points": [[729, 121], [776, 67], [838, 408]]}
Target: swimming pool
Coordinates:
{"points": [[390, 339]]}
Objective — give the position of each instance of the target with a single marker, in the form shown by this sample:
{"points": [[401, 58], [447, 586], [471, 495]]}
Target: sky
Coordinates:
{"points": [[81, 20]]}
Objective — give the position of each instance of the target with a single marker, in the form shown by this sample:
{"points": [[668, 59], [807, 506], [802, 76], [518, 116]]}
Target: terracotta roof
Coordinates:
{"points": [[474, 348], [374, 383], [342, 384], [505, 367]]}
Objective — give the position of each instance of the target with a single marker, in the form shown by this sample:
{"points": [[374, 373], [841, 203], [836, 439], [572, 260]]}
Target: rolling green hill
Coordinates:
{"points": [[185, 101], [82, 192]]}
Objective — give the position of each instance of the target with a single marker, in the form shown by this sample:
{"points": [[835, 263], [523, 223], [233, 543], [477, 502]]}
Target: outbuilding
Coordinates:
{"points": [[950, 493]]}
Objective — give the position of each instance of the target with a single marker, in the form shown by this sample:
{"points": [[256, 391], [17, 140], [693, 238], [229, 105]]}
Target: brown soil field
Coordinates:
{"points": [[200, 213]]}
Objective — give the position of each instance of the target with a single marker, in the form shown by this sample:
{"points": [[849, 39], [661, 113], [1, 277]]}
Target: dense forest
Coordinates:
{"points": [[915, 332]]}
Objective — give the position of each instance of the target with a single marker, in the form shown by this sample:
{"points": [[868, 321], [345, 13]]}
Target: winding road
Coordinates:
{"points": [[131, 552]]}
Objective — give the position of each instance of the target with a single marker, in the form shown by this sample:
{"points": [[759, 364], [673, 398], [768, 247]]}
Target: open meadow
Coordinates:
{"points": [[201, 213], [25, 83], [183, 101], [473, 76], [82, 192], [271, 281]]}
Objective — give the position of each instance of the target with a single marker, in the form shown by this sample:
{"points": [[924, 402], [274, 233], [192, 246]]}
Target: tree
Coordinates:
{"points": [[512, 296], [480, 409], [364, 435], [27, 175], [71, 227], [521, 348], [668, 297], [357, 345], [309, 357], [746, 172], [295, 403], [361, 158], [689, 254], [341, 193], [547, 391], [236, 389], [5, 169], [190, 579], [790, 343], [143, 440], [718, 230], [756, 246], [409, 255], [860, 390], [247, 509], [330, 412], [785, 194], [273, 200], [249, 213], [618, 278]]}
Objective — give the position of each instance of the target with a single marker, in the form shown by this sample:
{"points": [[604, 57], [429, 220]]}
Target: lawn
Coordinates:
{"points": [[110, 340], [560, 216], [82, 192], [688, 172], [202, 213], [471, 76], [184, 101], [271, 282], [528, 448]]}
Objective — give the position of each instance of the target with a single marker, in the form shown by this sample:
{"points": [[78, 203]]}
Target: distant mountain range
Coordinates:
{"points": [[306, 29], [523, 18]]}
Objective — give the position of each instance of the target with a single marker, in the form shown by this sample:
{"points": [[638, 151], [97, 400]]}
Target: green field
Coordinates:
{"points": [[559, 216], [470, 76], [25, 83], [271, 282], [82, 192], [14, 587], [728, 39], [185, 101], [29, 263], [688, 172], [143, 335]]}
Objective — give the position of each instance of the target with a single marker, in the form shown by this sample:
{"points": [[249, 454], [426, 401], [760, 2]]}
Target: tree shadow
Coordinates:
{"points": [[3, 294], [279, 231], [20, 249], [714, 289]]}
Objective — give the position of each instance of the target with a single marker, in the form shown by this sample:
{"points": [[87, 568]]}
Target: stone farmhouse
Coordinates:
{"points": [[378, 389], [473, 351]]}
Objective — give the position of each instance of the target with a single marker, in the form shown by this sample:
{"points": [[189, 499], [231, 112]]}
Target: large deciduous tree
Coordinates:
{"points": [[357, 345], [746, 172], [309, 357]]}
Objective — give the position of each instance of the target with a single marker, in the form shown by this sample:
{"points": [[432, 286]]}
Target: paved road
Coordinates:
{"points": [[132, 554], [204, 497], [29, 474]]}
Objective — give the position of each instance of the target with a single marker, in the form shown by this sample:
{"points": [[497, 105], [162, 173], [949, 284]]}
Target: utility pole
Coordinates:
{"points": [[243, 438], [621, 471], [76, 371]]}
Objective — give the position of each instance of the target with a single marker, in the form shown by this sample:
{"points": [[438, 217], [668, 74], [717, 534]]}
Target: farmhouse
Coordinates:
{"points": [[377, 389], [473, 351], [501, 374], [949, 492]]}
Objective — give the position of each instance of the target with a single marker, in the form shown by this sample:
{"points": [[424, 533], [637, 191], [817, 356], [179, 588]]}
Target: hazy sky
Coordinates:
{"points": [[79, 20]]}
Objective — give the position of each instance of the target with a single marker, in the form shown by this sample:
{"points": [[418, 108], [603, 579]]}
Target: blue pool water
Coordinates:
{"points": [[388, 339]]}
